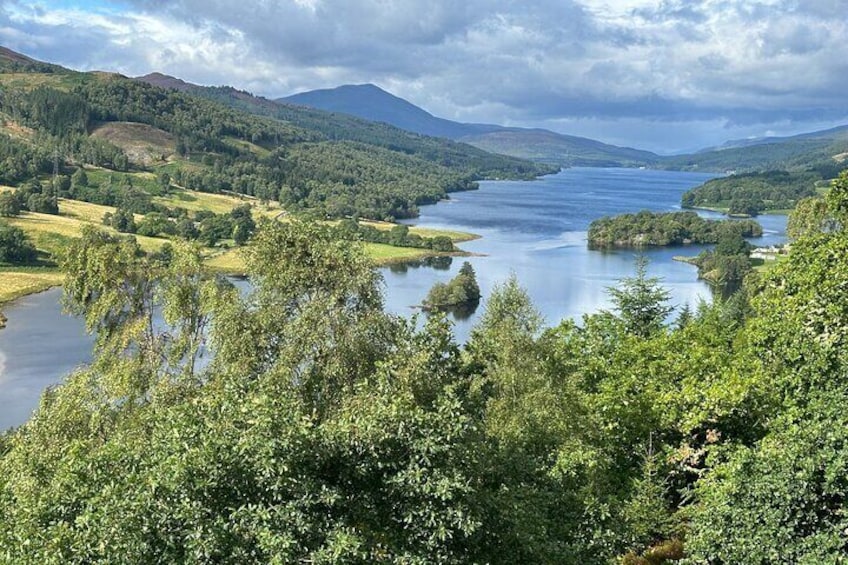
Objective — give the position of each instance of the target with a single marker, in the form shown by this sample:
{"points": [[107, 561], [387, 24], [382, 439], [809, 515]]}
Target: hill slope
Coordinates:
{"points": [[826, 148], [371, 102], [224, 140]]}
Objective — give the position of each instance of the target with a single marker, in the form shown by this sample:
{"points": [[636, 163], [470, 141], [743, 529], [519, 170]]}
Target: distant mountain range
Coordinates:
{"points": [[373, 103]]}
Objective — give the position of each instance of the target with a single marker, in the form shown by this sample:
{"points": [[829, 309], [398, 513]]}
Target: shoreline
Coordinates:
{"points": [[36, 282]]}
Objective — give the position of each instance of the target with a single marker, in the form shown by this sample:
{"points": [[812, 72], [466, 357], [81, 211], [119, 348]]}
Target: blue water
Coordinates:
{"points": [[535, 229]]}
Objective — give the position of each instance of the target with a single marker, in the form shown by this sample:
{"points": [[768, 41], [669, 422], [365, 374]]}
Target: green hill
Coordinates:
{"points": [[827, 148], [216, 140]]}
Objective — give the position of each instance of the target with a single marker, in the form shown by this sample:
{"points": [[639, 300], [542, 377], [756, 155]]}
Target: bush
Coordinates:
{"points": [[14, 245]]}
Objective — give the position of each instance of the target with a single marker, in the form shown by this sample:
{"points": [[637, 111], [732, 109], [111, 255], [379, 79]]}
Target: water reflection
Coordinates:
{"points": [[537, 231], [441, 263]]}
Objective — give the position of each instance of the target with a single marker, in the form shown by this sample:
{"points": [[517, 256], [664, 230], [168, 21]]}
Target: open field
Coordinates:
{"points": [[456, 236], [52, 233], [218, 203], [17, 282]]}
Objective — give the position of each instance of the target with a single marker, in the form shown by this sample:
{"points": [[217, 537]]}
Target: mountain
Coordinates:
{"points": [[373, 103], [825, 149], [345, 127], [221, 139]]}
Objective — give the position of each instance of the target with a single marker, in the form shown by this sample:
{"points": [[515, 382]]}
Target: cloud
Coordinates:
{"points": [[535, 62]]}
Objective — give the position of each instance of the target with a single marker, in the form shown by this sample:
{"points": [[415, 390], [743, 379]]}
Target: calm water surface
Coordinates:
{"points": [[536, 230]]}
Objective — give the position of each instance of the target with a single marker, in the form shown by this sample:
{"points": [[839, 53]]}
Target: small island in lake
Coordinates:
{"points": [[646, 229], [460, 293]]}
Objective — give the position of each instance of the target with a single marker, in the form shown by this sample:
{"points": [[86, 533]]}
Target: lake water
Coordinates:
{"points": [[535, 229]]}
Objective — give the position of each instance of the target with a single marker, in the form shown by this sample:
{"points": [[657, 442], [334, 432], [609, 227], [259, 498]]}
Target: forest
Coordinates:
{"points": [[754, 193], [648, 228], [294, 156], [300, 422]]}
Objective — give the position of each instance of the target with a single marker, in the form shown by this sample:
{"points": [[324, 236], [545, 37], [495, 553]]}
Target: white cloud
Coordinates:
{"points": [[732, 64]]}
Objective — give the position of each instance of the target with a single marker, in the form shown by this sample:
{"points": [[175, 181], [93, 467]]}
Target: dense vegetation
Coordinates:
{"points": [[728, 263], [798, 153], [753, 193], [461, 292], [398, 236], [320, 429], [647, 228], [298, 157]]}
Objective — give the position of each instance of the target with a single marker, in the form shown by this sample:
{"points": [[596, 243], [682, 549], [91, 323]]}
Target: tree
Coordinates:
{"points": [[14, 245], [461, 291], [641, 302], [122, 220], [810, 216], [79, 179], [10, 204], [42, 203]]}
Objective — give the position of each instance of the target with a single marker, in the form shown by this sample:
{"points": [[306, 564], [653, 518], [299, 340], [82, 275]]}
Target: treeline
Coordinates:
{"points": [[647, 228], [318, 428], [398, 236], [754, 193]]}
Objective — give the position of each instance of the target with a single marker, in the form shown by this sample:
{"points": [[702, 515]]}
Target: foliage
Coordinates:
{"points": [[460, 291], [10, 204], [641, 302], [647, 228], [728, 263], [398, 236], [14, 245], [753, 193]]}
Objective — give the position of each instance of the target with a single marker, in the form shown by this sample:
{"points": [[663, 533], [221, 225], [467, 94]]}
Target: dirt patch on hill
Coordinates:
{"points": [[144, 145]]}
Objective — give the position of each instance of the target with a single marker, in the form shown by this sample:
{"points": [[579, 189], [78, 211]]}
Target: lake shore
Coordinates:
{"points": [[16, 283]]}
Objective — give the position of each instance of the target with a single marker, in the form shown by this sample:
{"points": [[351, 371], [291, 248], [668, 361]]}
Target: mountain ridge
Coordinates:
{"points": [[371, 102]]}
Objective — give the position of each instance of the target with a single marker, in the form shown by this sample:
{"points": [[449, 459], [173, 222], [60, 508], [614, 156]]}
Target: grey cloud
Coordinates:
{"points": [[737, 62]]}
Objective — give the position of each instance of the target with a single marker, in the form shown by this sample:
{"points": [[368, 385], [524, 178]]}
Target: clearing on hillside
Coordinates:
{"points": [[144, 145]]}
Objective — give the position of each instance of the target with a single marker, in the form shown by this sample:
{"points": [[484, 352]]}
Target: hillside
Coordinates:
{"points": [[548, 147], [371, 102], [344, 127], [228, 140], [794, 153]]}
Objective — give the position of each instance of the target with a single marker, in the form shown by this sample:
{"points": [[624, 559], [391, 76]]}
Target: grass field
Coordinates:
{"points": [[456, 236], [17, 282], [218, 203], [52, 233]]}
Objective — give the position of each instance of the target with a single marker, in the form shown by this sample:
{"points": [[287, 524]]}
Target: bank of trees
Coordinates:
{"points": [[647, 228], [753, 193], [398, 236], [461, 292], [319, 428], [375, 172]]}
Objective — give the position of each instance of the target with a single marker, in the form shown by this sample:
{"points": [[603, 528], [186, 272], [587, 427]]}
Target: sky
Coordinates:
{"points": [[668, 76]]}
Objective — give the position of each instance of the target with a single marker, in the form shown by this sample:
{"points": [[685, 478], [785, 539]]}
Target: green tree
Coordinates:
{"points": [[641, 302], [10, 204], [15, 247]]}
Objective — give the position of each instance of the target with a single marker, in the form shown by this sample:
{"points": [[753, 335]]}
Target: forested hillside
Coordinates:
{"points": [[796, 153], [300, 158], [754, 193], [321, 429]]}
